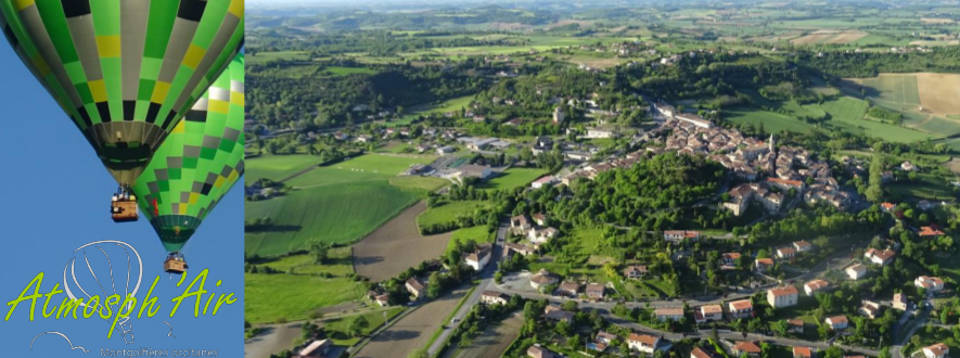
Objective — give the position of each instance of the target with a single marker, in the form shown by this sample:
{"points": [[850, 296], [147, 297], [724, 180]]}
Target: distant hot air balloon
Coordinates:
{"points": [[197, 164], [125, 71]]}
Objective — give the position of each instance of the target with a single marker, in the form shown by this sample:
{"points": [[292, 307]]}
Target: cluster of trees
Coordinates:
{"points": [[661, 191], [844, 64], [315, 100]]}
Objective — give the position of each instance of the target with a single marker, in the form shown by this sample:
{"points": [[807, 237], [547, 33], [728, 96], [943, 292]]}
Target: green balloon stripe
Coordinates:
{"points": [[198, 163], [124, 71]]}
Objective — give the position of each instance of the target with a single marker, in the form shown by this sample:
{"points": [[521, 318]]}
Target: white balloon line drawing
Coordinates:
{"points": [[125, 322], [64, 336], [113, 282], [170, 333]]}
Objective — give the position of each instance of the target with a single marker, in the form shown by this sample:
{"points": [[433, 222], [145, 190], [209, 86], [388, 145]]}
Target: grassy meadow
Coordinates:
{"points": [[339, 203]]}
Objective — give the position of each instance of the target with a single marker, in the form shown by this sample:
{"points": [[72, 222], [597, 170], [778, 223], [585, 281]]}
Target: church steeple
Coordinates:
{"points": [[773, 147]]}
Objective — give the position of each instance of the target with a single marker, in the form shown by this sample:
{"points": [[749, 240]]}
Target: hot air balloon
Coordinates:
{"points": [[196, 165], [124, 71]]}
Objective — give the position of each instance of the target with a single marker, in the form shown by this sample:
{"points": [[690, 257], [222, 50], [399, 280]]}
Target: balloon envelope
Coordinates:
{"points": [[198, 163], [125, 71]]}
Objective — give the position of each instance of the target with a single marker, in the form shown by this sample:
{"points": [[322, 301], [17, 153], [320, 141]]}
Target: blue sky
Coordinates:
{"points": [[56, 198]]}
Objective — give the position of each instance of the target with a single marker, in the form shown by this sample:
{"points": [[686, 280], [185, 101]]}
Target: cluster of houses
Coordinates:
{"points": [[642, 343], [784, 167], [568, 288], [537, 232], [590, 171]]}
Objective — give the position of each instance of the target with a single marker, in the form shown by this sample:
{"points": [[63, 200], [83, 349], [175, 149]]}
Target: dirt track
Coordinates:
{"points": [[413, 331], [396, 246]]}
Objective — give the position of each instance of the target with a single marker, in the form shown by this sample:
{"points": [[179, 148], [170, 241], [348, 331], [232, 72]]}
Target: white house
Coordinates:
{"points": [[856, 271], [802, 246], [415, 287], [879, 257], [479, 258], [814, 286], [669, 313], [786, 252], [545, 181], [680, 235], [779, 297], [317, 348], [740, 309], [709, 313], [643, 343], [899, 301], [837, 323], [541, 236], [493, 298], [519, 224], [938, 350], [870, 309], [542, 278], [930, 283], [598, 133]]}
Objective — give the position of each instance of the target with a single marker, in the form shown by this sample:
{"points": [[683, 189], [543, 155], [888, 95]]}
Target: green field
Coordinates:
{"points": [[476, 234], [383, 164], [343, 71], [338, 263], [277, 167], [772, 122], [514, 177], [894, 91], [339, 203], [285, 297], [845, 113], [450, 105], [927, 186], [261, 57], [848, 113], [449, 212], [338, 329]]}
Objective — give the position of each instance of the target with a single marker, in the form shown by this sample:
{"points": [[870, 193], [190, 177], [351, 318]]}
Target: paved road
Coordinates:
{"points": [[486, 278]]}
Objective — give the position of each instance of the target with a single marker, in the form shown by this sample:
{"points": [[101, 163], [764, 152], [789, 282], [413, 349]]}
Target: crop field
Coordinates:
{"points": [[383, 164], [894, 91], [340, 203], [343, 71], [493, 341], [338, 328], [927, 187], [284, 297], [450, 105], [338, 263], [772, 122], [275, 297], [848, 113], [277, 167], [412, 331], [928, 100], [514, 177], [261, 57], [396, 246], [337, 213], [449, 212], [845, 112], [476, 234], [830, 37], [939, 92]]}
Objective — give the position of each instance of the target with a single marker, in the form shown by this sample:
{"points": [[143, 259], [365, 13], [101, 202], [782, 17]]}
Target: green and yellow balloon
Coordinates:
{"points": [[125, 71], [198, 163]]}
